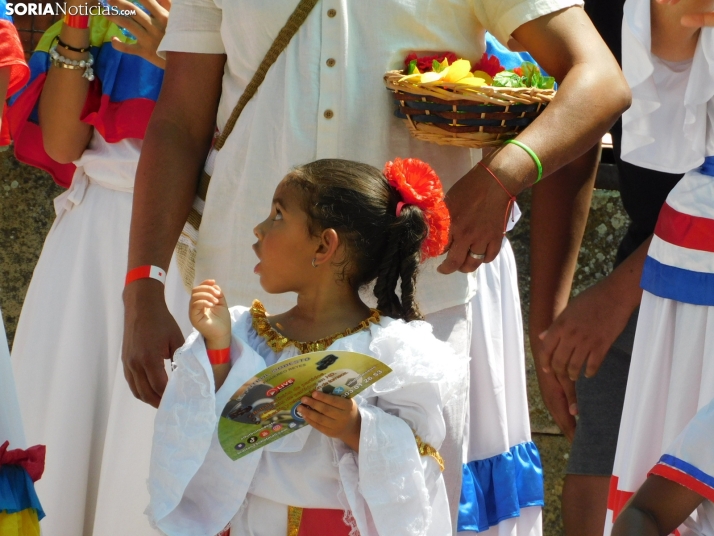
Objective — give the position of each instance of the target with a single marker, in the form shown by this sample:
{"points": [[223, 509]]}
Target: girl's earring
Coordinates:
{"points": [[313, 262]]}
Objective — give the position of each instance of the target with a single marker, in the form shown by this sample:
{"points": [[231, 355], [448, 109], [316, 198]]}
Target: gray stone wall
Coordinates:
{"points": [[27, 212]]}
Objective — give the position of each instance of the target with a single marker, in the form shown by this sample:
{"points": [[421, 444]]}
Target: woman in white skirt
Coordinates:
{"points": [[67, 350], [669, 127]]}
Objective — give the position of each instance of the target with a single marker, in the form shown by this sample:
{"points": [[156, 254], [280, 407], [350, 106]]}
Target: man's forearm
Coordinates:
{"points": [[624, 281], [165, 187], [592, 94], [177, 142], [559, 213]]}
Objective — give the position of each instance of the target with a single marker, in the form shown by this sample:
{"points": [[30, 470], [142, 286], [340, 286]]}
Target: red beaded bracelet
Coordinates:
{"points": [[80, 22], [219, 357], [144, 272]]}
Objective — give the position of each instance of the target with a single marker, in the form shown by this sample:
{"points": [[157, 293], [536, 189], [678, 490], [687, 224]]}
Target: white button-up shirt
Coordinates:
{"points": [[306, 109]]}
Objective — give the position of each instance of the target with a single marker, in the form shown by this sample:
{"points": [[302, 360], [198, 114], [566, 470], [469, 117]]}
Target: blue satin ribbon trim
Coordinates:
{"points": [[17, 491], [497, 488], [708, 166], [677, 284]]}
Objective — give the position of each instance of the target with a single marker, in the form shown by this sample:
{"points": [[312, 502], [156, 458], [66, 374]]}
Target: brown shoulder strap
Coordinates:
{"points": [[281, 42]]}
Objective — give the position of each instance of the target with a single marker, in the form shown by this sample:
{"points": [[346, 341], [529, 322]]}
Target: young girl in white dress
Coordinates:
{"points": [[367, 466]]}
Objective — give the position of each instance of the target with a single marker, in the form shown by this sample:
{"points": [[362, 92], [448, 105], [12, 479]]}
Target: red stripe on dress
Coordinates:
{"points": [[617, 498], [683, 479], [685, 230]]}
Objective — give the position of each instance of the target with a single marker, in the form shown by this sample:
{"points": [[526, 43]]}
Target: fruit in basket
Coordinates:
{"points": [[458, 70], [485, 76], [433, 71], [473, 81]]}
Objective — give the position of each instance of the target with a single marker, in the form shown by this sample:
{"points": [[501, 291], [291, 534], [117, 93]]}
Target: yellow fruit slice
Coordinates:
{"points": [[473, 81], [432, 77], [485, 76], [413, 78], [458, 70]]}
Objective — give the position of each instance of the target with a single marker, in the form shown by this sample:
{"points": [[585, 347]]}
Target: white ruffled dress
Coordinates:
{"points": [[670, 128], [386, 489]]}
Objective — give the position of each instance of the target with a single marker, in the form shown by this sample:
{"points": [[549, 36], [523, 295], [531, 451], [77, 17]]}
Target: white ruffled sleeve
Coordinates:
{"points": [[665, 129], [391, 488], [195, 488]]}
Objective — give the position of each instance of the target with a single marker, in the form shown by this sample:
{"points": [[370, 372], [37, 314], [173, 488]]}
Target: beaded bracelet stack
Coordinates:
{"points": [[58, 60]]}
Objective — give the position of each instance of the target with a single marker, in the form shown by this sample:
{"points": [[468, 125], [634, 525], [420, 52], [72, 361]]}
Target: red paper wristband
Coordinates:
{"points": [[144, 272], [81, 22], [219, 357]]}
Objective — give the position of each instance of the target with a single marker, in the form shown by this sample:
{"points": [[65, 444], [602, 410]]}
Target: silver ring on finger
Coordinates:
{"points": [[477, 256]]}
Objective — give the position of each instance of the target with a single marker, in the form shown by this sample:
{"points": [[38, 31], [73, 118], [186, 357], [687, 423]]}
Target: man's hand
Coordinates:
{"points": [[333, 416], [151, 335], [698, 20], [558, 394], [698, 13], [592, 321], [148, 29], [584, 332], [478, 208]]}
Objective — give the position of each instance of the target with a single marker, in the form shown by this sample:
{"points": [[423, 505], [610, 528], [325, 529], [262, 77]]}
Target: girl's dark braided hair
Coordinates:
{"points": [[358, 202]]}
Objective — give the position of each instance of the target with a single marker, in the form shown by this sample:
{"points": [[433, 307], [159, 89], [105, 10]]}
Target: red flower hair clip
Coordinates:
{"points": [[419, 185]]}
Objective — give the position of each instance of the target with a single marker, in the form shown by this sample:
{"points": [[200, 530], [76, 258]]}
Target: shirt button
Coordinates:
{"points": [[331, 62], [329, 114], [331, 13]]}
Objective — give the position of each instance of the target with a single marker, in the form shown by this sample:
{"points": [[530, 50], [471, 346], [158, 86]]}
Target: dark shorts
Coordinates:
{"points": [[600, 401]]}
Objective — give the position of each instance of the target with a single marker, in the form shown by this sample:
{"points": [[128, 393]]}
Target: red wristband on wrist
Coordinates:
{"points": [[81, 22], [219, 357], [146, 272]]}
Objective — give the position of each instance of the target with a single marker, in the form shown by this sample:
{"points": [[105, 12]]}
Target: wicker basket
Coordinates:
{"points": [[466, 116]]}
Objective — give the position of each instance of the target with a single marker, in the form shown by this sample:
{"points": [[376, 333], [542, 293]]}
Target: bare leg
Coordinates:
{"points": [[584, 504]]}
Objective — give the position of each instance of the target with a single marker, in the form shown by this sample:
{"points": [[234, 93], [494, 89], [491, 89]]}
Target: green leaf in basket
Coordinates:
{"points": [[413, 67], [438, 67], [546, 82], [507, 79], [531, 73]]}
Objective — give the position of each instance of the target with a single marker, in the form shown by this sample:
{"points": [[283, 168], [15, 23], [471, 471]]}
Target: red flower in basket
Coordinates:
{"points": [[425, 62], [419, 185], [489, 64]]}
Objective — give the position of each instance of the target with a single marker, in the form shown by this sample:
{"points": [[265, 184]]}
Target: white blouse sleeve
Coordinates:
{"points": [[194, 26], [390, 486], [502, 17], [195, 488], [665, 129]]}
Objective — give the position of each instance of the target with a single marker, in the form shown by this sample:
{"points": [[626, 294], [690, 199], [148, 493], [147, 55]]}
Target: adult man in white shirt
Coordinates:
{"points": [[324, 98]]}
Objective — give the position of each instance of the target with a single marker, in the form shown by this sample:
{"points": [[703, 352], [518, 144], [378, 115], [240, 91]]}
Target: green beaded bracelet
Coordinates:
{"points": [[532, 154]]}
